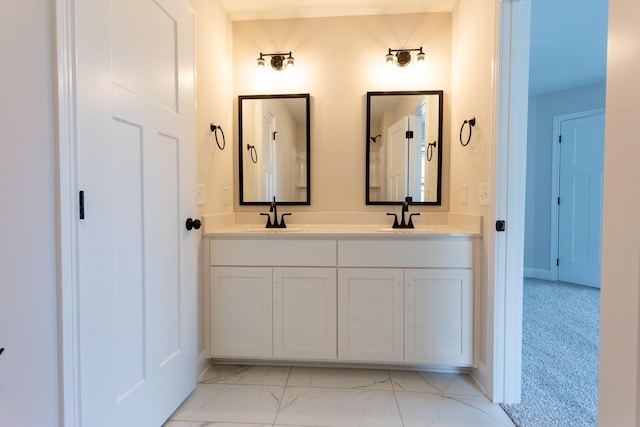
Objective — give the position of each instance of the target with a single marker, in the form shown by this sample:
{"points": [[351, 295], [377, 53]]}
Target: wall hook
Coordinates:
{"points": [[472, 123], [375, 138], [214, 129]]}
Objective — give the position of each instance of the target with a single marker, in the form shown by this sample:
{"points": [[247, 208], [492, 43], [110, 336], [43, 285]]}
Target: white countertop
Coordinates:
{"points": [[338, 230]]}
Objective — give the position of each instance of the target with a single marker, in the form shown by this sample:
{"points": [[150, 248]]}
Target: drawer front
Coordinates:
{"points": [[303, 253], [432, 253]]}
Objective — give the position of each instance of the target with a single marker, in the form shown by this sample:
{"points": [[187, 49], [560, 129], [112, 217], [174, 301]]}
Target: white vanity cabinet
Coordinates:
{"points": [[419, 311], [402, 299], [260, 311]]}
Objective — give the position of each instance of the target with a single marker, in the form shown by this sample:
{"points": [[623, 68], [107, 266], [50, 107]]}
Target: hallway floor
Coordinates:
{"points": [[259, 396]]}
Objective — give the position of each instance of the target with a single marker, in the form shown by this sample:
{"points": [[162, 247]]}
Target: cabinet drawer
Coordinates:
{"points": [[304, 253], [432, 253]]}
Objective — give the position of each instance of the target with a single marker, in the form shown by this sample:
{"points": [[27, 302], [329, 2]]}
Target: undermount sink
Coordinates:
{"points": [[404, 230], [395, 230], [289, 229]]}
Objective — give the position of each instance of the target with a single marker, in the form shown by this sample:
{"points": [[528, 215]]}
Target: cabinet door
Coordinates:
{"points": [[370, 323], [241, 311], [438, 316], [304, 313]]}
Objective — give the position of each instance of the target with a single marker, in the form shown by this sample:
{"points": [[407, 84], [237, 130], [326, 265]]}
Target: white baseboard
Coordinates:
{"points": [[538, 273], [203, 364]]}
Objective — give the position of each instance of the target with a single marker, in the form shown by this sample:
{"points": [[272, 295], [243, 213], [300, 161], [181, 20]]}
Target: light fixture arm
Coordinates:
{"points": [[418, 49]]}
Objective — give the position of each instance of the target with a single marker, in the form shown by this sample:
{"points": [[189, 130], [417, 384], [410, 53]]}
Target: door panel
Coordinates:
{"points": [[241, 311], [136, 165], [304, 313], [127, 144], [439, 316], [397, 160], [370, 316], [580, 209]]}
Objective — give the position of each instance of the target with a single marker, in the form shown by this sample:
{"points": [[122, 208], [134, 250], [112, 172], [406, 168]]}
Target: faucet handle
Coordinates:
{"points": [[268, 219], [395, 219], [410, 223], [282, 224]]}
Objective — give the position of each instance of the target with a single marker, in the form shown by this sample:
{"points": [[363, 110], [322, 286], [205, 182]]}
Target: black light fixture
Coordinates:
{"points": [[278, 60], [402, 57]]}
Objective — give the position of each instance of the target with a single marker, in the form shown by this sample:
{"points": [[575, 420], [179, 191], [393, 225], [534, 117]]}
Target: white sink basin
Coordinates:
{"points": [[395, 230], [405, 230], [289, 229]]}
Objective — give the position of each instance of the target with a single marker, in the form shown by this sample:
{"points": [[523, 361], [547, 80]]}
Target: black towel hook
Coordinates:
{"points": [[430, 148], [472, 123], [214, 129]]}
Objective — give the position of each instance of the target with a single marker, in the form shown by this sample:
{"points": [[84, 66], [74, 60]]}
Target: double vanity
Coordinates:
{"points": [[365, 294], [328, 289]]}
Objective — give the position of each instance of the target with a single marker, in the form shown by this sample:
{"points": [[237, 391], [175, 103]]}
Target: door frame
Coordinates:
{"points": [[555, 184], [508, 180], [66, 209]]}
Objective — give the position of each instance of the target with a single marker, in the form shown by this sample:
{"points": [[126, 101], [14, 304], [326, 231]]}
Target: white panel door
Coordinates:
{"points": [[241, 311], [268, 153], [370, 323], [136, 166], [438, 316], [304, 313], [415, 162], [397, 157], [580, 209]]}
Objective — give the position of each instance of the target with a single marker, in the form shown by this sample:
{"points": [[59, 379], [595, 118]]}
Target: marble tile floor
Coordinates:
{"points": [[260, 396]]}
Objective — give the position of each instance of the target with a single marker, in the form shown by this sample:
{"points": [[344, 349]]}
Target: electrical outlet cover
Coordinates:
{"points": [[200, 194], [483, 194]]}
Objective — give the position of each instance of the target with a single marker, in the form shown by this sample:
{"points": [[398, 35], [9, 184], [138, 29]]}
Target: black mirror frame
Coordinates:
{"points": [[307, 98], [440, 94]]}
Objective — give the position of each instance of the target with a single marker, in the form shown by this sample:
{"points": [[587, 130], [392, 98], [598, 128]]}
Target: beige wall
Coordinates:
{"points": [[472, 85], [214, 92], [337, 61], [619, 403]]}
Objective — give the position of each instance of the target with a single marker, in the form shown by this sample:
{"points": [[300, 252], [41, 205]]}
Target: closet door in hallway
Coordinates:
{"points": [[580, 200]]}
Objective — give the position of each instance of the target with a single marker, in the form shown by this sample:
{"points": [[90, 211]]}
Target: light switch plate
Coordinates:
{"points": [[483, 194], [200, 194], [464, 194]]}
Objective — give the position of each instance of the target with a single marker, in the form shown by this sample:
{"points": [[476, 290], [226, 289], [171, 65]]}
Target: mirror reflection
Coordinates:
{"points": [[274, 149], [404, 147]]}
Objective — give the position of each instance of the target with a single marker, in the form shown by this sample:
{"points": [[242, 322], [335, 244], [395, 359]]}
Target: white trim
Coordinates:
{"points": [[67, 226], [555, 184], [537, 273], [509, 181]]}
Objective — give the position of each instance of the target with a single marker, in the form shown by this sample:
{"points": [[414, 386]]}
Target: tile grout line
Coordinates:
{"points": [[284, 390], [395, 396]]}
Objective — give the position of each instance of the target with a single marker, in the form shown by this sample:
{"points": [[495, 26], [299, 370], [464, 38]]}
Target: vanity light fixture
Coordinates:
{"points": [[402, 57], [278, 60]]}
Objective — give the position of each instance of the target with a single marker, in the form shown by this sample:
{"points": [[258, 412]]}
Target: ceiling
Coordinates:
{"points": [[568, 37], [243, 10]]}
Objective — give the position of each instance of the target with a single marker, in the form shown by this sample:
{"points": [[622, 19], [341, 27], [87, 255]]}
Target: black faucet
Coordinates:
{"points": [[274, 224], [405, 209]]}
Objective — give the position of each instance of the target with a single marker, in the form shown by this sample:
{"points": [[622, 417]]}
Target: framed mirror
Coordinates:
{"points": [[404, 147], [274, 137]]}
